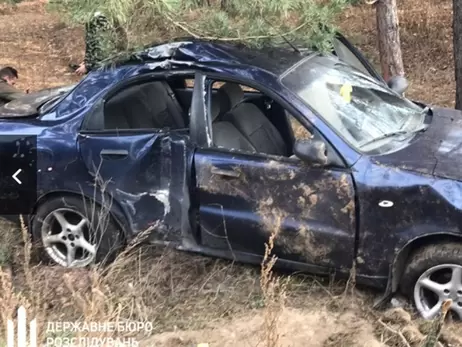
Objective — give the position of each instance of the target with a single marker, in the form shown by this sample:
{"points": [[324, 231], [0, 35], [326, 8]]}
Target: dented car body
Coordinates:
{"points": [[346, 206]]}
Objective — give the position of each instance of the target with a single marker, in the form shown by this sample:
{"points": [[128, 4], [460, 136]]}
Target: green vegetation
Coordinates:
{"points": [[10, 2], [307, 23]]}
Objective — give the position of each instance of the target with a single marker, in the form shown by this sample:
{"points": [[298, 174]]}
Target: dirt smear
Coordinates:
{"points": [[273, 207]]}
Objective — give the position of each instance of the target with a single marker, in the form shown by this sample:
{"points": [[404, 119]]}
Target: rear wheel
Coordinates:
{"points": [[433, 275], [74, 232]]}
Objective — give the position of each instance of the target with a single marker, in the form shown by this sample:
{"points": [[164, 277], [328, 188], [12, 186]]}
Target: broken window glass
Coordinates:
{"points": [[356, 106]]}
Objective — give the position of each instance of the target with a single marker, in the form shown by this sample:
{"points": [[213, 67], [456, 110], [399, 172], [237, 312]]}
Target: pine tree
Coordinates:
{"points": [[457, 30], [307, 23]]}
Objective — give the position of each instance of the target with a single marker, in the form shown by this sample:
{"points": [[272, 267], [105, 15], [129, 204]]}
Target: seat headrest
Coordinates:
{"points": [[230, 95]]}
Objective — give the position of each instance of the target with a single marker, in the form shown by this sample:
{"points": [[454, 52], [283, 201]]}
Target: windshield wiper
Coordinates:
{"points": [[394, 133]]}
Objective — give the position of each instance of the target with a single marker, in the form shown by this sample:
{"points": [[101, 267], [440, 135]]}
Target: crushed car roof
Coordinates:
{"points": [[273, 59]]}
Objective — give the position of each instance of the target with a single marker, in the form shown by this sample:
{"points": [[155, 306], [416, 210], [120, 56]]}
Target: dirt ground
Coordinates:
{"points": [[297, 328], [41, 47], [38, 45]]}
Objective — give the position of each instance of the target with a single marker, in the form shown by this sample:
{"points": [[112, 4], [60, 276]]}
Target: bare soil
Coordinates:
{"points": [[39, 45], [298, 327], [193, 300]]}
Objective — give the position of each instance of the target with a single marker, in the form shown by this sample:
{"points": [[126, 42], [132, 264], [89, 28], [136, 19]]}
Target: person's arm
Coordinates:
{"points": [[9, 93]]}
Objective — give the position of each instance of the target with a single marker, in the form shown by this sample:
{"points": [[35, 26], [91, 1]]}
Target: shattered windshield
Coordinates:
{"points": [[363, 111]]}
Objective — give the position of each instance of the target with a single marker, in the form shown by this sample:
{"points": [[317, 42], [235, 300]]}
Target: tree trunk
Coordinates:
{"points": [[391, 60], [457, 31]]}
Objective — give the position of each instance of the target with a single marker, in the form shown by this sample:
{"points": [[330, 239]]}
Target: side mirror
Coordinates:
{"points": [[312, 151], [399, 84]]}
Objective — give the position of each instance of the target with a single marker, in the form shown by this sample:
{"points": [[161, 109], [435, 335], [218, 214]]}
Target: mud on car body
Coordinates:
{"points": [[193, 141]]}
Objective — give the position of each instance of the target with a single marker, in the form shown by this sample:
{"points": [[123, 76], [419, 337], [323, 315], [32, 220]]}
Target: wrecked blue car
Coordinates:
{"points": [[211, 148]]}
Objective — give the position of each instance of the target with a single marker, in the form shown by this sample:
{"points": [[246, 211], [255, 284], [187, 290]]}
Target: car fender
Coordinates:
{"points": [[115, 210], [402, 254]]}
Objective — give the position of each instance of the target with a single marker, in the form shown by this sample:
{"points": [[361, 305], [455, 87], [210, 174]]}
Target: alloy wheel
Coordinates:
{"points": [[436, 285], [67, 238]]}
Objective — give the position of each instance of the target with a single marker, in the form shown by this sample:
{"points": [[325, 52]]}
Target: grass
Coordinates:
{"points": [[144, 284], [159, 287], [10, 2]]}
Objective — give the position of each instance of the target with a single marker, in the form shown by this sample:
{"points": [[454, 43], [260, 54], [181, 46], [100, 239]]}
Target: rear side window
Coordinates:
{"points": [[150, 104], [143, 106]]}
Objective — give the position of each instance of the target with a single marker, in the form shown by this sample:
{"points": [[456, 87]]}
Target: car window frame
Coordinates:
{"points": [[342, 163], [97, 109], [357, 53]]}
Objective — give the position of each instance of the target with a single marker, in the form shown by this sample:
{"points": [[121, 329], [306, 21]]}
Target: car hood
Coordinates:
{"points": [[29, 104], [437, 151]]}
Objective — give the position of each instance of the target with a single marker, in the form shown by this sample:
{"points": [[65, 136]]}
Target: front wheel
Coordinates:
{"points": [[432, 276], [74, 232]]}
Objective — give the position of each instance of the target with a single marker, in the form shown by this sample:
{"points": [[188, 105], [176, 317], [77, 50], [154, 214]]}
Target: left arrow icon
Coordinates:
{"points": [[15, 176]]}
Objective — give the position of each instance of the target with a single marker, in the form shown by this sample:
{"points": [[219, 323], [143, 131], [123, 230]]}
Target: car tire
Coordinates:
{"points": [[68, 226], [427, 269]]}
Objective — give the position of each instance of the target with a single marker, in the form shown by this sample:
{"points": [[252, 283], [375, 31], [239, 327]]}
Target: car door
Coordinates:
{"points": [[245, 197], [145, 171]]}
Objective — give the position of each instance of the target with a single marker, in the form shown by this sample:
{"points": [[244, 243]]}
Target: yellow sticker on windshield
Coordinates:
{"points": [[345, 92]]}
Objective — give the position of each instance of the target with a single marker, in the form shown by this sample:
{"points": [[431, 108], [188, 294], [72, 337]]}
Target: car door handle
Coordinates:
{"points": [[228, 173], [113, 153]]}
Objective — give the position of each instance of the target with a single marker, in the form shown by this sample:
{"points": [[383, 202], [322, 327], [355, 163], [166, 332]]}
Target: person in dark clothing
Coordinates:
{"points": [[8, 77], [102, 40]]}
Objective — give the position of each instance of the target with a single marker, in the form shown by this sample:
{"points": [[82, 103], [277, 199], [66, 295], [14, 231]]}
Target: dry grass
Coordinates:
{"points": [[196, 298], [167, 291], [170, 290]]}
